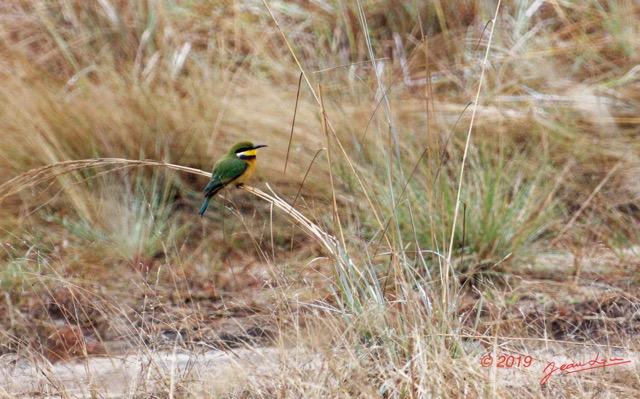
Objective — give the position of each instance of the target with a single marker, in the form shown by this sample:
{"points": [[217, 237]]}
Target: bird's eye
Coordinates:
{"points": [[243, 149]]}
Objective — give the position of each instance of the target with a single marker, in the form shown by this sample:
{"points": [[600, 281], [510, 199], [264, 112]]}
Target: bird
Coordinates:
{"points": [[235, 167]]}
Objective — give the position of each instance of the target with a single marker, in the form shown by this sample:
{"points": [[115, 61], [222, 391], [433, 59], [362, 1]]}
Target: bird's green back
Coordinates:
{"points": [[225, 171]]}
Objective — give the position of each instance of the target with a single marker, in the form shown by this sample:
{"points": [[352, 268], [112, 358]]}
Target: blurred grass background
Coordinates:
{"points": [[552, 165]]}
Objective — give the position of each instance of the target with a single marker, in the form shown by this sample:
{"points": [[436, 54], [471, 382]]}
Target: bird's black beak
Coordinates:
{"points": [[255, 147]]}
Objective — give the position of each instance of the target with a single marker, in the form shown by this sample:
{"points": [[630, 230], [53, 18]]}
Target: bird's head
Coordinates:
{"points": [[245, 149]]}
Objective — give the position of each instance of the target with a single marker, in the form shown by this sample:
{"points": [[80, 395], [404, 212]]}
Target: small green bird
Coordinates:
{"points": [[235, 167]]}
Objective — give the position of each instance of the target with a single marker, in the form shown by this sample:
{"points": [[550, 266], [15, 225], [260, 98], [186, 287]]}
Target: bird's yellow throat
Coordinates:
{"points": [[247, 154]]}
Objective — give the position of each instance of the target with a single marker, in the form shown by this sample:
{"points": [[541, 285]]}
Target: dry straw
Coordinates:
{"points": [[49, 173]]}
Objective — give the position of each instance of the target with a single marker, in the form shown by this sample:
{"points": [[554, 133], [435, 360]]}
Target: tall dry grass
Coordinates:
{"points": [[450, 152]]}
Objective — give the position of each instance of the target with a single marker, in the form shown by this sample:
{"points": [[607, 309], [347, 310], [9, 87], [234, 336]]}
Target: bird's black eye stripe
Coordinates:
{"points": [[243, 149]]}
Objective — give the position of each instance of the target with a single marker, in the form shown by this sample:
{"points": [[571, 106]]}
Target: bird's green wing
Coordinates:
{"points": [[224, 172]]}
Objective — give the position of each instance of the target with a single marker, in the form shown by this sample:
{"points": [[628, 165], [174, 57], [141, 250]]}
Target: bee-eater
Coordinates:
{"points": [[235, 167]]}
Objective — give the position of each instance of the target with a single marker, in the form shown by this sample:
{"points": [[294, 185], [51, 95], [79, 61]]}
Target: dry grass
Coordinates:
{"points": [[454, 188]]}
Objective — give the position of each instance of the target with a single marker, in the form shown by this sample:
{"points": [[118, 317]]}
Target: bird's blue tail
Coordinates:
{"points": [[204, 206]]}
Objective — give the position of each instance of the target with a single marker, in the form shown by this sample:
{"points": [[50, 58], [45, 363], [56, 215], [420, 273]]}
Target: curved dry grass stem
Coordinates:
{"points": [[329, 242], [52, 171], [48, 173]]}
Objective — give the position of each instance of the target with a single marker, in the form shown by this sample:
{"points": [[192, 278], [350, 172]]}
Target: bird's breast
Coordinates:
{"points": [[251, 166]]}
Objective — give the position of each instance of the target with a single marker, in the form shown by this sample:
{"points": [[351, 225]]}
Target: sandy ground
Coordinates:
{"points": [[215, 373], [209, 374]]}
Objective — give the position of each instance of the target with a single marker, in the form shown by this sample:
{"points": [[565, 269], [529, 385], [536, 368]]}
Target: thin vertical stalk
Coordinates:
{"points": [[466, 146]]}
